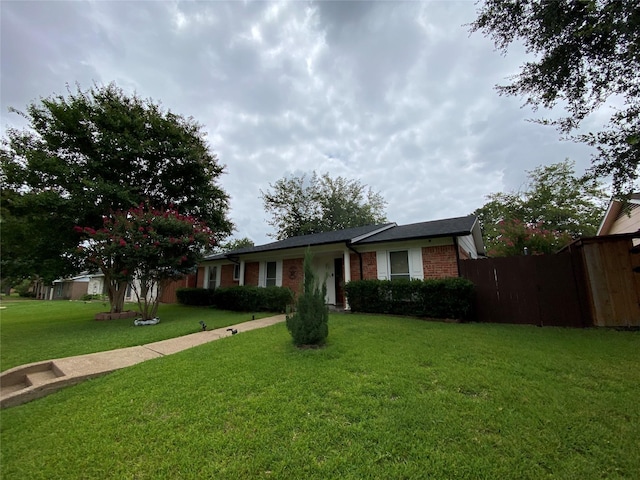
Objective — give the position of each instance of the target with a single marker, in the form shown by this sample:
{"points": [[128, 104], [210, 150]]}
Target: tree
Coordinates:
{"points": [[309, 324], [235, 244], [99, 150], [300, 206], [554, 207], [147, 248], [586, 54]]}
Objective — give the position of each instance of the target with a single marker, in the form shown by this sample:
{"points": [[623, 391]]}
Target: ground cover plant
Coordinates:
{"points": [[34, 330], [385, 398]]}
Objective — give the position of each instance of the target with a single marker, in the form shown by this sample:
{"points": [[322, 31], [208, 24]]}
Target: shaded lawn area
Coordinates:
{"points": [[386, 398], [34, 330]]}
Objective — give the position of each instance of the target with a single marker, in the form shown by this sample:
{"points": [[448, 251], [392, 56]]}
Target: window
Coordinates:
{"points": [[399, 264], [236, 272], [213, 274], [271, 274]]}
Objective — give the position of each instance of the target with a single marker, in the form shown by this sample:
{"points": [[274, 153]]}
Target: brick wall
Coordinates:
{"points": [[226, 276], [439, 262], [293, 274], [200, 282], [251, 273], [369, 268]]}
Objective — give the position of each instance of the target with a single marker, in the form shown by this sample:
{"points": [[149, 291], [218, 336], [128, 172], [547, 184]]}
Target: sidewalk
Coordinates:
{"points": [[27, 382]]}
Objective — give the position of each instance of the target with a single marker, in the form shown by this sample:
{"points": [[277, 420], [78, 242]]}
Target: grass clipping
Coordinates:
{"points": [[309, 323]]}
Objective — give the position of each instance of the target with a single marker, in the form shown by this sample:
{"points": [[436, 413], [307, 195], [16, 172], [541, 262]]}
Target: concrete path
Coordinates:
{"points": [[34, 380]]}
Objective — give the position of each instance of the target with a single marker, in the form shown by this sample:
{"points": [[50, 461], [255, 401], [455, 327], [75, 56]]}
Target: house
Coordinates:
{"points": [[85, 283], [619, 219], [389, 251]]}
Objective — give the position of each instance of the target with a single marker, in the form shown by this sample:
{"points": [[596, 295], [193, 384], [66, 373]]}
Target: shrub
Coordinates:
{"points": [[87, 297], [249, 298], [24, 288], [438, 298], [309, 324], [195, 296]]}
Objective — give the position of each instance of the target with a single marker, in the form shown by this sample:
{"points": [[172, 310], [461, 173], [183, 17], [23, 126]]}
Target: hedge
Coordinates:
{"points": [[239, 298], [195, 296], [440, 298]]}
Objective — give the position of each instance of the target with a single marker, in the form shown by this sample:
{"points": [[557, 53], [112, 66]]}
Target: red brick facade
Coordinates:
{"points": [[226, 276], [369, 268], [293, 274], [439, 262], [252, 273]]}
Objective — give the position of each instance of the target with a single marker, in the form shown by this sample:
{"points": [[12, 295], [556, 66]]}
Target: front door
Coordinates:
{"points": [[338, 265]]}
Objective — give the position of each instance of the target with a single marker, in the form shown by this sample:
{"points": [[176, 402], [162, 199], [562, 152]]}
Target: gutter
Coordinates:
{"points": [[457, 247]]}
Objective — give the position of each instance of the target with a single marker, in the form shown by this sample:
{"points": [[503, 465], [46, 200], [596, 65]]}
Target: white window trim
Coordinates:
{"points": [[262, 274], [208, 275], [415, 263]]}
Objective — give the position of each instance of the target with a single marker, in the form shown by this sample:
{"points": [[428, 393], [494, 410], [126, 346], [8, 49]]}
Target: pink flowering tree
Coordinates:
{"points": [[147, 248], [514, 236]]}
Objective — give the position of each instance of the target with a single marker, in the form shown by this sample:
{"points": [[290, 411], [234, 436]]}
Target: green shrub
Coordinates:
{"points": [[87, 297], [195, 296], [249, 298], [23, 289], [438, 298], [309, 324]]}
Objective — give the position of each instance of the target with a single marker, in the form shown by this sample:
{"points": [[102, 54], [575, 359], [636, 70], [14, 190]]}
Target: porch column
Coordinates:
{"points": [[241, 279], [347, 275]]}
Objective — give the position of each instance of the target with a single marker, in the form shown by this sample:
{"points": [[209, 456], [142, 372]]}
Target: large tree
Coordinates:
{"points": [[554, 207], [91, 152], [300, 205], [586, 57]]}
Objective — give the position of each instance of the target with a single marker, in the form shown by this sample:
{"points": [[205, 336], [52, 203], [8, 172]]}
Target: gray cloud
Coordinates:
{"points": [[394, 94]]}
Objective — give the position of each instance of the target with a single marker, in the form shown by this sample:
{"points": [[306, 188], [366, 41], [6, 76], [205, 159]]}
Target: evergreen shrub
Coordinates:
{"points": [[309, 323]]}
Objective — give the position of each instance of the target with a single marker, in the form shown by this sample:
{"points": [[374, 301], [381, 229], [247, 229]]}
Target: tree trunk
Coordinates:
{"points": [[117, 291]]}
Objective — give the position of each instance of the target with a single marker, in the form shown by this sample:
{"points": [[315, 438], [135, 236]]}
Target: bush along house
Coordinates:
{"points": [[385, 252]]}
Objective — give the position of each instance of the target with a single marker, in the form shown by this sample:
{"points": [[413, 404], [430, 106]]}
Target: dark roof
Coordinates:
{"points": [[437, 228], [323, 238]]}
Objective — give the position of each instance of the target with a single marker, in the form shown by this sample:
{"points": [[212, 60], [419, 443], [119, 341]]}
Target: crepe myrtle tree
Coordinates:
{"points": [[148, 245]]}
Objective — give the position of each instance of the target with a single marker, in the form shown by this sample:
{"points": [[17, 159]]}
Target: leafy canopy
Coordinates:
{"points": [[149, 245], [91, 152], [586, 58], [554, 207], [299, 205]]}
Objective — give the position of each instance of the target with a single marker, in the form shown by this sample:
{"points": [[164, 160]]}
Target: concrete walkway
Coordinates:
{"points": [[34, 380]]}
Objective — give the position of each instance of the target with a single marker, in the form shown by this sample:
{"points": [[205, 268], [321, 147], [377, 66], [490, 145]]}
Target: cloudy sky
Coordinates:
{"points": [[397, 95]]}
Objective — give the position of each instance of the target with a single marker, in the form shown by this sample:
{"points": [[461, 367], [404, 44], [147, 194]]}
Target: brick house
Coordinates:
{"points": [[390, 251]]}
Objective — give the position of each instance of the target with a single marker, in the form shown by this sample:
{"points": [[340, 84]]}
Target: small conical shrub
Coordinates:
{"points": [[309, 324]]}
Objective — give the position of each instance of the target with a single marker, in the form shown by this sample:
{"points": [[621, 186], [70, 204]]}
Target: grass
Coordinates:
{"points": [[34, 330], [386, 398]]}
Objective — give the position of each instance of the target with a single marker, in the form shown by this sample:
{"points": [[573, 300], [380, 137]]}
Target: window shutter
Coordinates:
{"points": [[383, 269], [415, 263]]}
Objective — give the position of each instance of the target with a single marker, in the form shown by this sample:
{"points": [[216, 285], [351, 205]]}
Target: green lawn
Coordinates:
{"points": [[387, 398], [34, 330]]}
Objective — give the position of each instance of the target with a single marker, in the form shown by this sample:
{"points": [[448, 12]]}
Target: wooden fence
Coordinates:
{"points": [[594, 281]]}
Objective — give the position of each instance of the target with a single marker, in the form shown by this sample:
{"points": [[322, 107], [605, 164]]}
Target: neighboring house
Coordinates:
{"points": [[74, 288], [390, 251], [619, 219]]}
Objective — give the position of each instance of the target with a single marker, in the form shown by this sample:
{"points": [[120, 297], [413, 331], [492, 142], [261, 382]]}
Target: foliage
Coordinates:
{"points": [[149, 245], [235, 244], [585, 58], [309, 324], [553, 208], [92, 152], [245, 298], [248, 298], [386, 399], [300, 206], [23, 289], [194, 296], [446, 298]]}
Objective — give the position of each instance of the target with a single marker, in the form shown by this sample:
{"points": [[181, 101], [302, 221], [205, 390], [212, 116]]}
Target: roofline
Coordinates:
{"points": [[364, 236], [419, 237]]}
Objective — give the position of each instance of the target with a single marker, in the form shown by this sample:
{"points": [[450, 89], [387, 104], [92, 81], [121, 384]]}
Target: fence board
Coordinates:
{"points": [[537, 290]]}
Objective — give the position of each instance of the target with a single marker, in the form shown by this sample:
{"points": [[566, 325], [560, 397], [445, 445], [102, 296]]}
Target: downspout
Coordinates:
{"points": [[348, 244], [455, 243]]}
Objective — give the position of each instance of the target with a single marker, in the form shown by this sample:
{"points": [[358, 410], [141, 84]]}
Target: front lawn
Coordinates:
{"points": [[386, 398], [34, 330]]}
